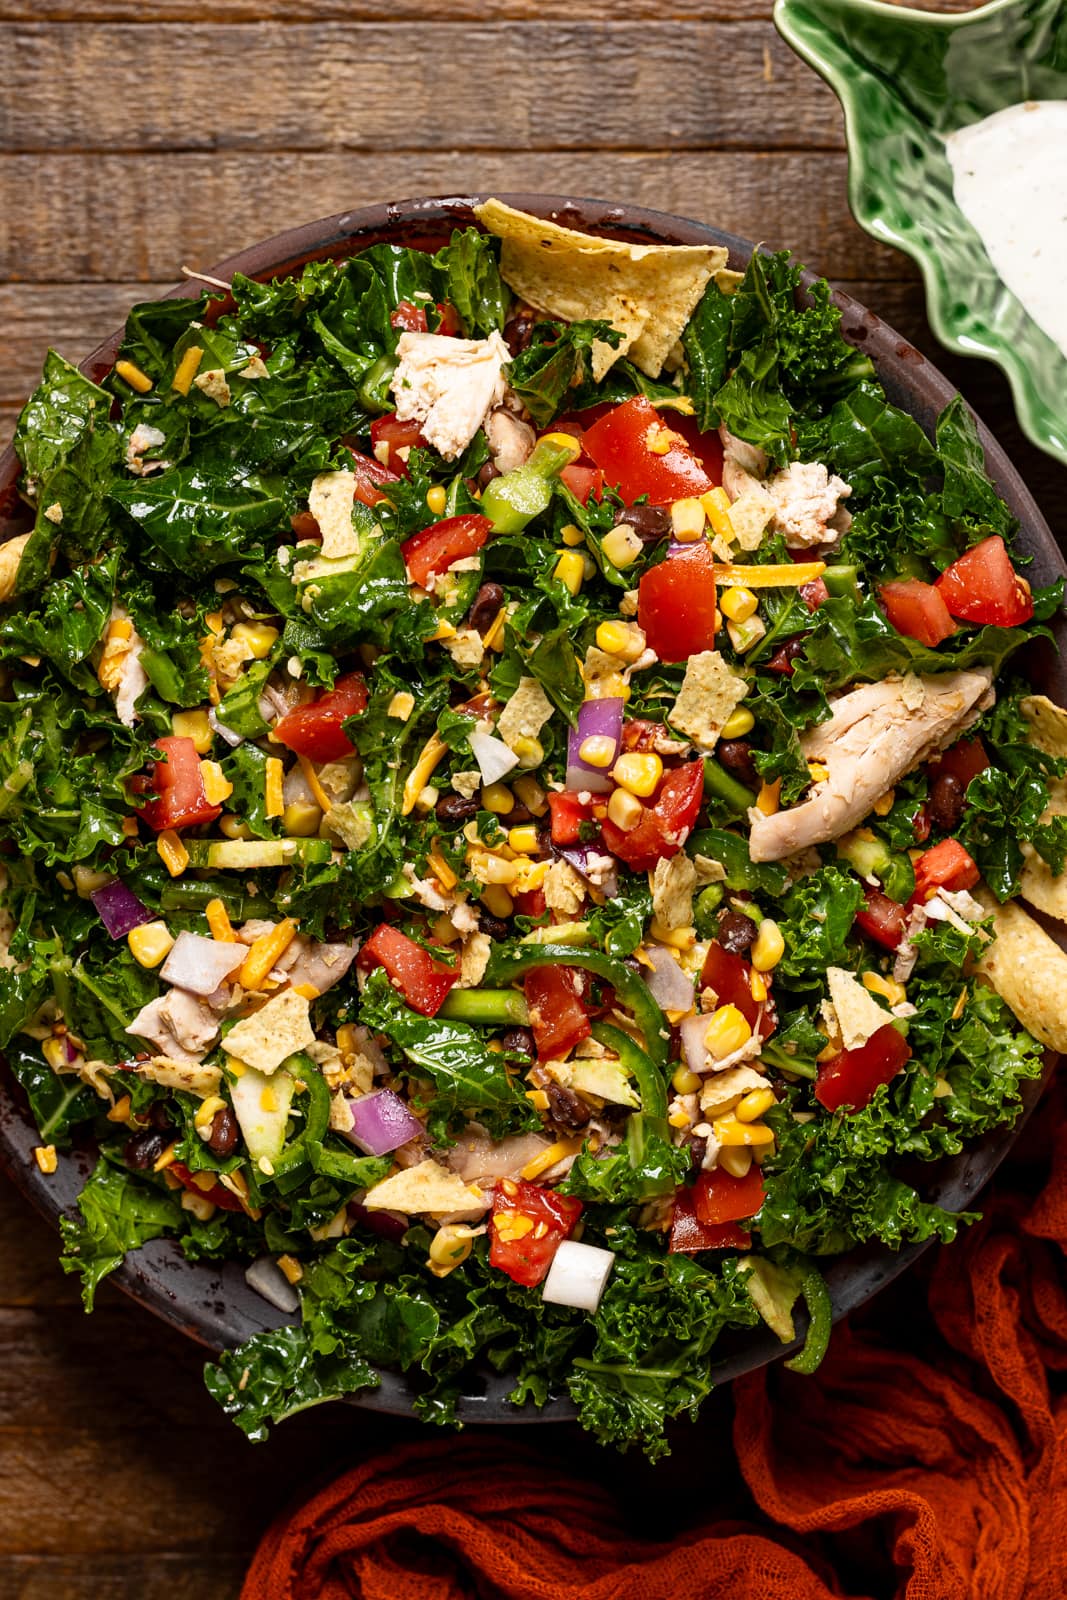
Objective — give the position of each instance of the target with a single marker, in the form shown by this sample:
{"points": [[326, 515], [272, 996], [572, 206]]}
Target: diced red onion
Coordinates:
{"points": [[386, 1224], [268, 1280], [668, 985], [596, 719], [119, 908], [381, 1122], [692, 1031], [200, 964]]}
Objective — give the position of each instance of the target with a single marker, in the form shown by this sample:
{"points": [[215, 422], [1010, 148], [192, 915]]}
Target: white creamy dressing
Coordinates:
{"points": [[1010, 182]]}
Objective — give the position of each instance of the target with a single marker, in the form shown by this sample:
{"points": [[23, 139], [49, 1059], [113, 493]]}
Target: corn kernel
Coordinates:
{"points": [[497, 797], [46, 1159], [187, 369], [743, 635], [302, 819], [754, 1105], [524, 841], [623, 639], [769, 946], [757, 987], [532, 874], [737, 604], [496, 900], [716, 504], [572, 535], [234, 828], [625, 810], [172, 853], [735, 1159], [818, 772], [768, 800], [676, 938], [687, 519], [273, 780], [570, 570], [436, 500], [217, 787], [621, 546], [889, 988], [563, 441], [659, 440], [598, 750], [728, 1131], [490, 868], [638, 774], [449, 1248], [206, 1112], [193, 725], [531, 794], [684, 1081], [531, 752], [726, 1032], [679, 1118], [884, 806], [259, 637], [150, 943], [131, 374], [737, 724]]}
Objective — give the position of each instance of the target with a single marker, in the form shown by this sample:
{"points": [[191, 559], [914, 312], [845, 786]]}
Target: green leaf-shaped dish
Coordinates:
{"points": [[906, 79]]}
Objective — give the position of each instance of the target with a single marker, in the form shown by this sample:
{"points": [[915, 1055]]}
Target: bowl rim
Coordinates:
{"points": [[211, 1302], [848, 92]]}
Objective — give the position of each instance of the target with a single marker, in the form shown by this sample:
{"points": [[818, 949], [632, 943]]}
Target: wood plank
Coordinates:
{"points": [[189, 1576], [363, 87], [141, 217], [201, 11]]}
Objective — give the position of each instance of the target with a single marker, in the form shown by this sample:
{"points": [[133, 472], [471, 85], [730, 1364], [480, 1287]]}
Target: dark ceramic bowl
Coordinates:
{"points": [[214, 1305]]}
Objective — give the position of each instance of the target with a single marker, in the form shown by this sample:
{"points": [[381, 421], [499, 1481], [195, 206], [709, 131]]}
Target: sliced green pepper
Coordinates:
{"points": [[487, 1006], [316, 1114], [515, 498], [820, 1321], [640, 1067], [718, 785]]}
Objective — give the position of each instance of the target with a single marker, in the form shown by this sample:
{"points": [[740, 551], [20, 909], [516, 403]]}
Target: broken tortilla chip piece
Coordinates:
{"points": [[1048, 723], [1045, 889], [647, 291], [1028, 970]]}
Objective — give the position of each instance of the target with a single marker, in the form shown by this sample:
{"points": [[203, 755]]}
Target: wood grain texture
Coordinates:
{"points": [[362, 87], [197, 11]]}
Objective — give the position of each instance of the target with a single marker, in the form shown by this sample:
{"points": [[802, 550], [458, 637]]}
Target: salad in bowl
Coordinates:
{"points": [[516, 792]]}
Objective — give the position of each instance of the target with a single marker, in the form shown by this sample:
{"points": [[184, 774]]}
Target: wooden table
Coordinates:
{"points": [[134, 139]]}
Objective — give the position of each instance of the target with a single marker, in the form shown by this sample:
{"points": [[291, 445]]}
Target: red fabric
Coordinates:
{"points": [[940, 1476]]}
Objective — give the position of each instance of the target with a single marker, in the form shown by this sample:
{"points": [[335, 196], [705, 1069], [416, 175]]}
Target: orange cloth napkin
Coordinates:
{"points": [[945, 1470]]}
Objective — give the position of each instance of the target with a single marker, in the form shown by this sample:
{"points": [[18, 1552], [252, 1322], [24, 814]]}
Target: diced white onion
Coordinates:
{"points": [[199, 964], [224, 733], [577, 1275], [267, 1279], [669, 986], [695, 1050], [494, 758]]}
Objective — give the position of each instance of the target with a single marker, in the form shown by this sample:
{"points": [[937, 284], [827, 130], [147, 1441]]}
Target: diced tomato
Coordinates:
{"points": [[640, 735], [946, 866], [178, 785], [918, 610], [620, 443], [783, 658], [719, 1197], [396, 436], [676, 604], [690, 1235], [814, 593], [305, 526], [370, 476], [529, 902], [568, 814], [583, 481], [984, 587], [558, 1018], [317, 729], [527, 1227], [449, 325], [850, 1079], [215, 1192], [731, 978], [964, 760], [434, 549], [882, 919], [409, 317], [665, 826], [707, 447], [423, 982]]}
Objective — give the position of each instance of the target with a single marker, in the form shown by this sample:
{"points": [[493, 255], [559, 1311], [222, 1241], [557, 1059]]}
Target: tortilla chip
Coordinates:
{"points": [[647, 291], [1028, 970], [1048, 723], [1045, 889]]}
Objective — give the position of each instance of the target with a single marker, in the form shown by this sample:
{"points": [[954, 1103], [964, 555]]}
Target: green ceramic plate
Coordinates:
{"points": [[907, 78]]}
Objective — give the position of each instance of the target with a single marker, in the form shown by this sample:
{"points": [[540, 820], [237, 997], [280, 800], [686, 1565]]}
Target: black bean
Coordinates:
{"points": [[946, 803], [159, 1117], [495, 927], [736, 932], [698, 1149], [518, 329], [145, 1149], [650, 523], [566, 1107], [518, 814], [224, 1133], [487, 473], [783, 658], [517, 1041], [487, 603], [455, 808], [736, 756]]}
